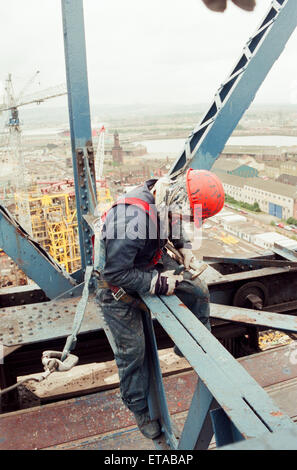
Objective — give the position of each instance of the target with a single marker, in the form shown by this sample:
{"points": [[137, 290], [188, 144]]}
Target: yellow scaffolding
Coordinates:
{"points": [[54, 225], [54, 222], [104, 198]]}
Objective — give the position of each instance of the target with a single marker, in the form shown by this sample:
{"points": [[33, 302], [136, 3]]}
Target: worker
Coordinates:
{"points": [[134, 236]]}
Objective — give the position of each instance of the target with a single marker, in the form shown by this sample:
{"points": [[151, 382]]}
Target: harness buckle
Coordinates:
{"points": [[118, 294]]}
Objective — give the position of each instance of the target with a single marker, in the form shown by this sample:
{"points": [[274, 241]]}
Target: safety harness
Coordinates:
{"points": [[119, 293]]}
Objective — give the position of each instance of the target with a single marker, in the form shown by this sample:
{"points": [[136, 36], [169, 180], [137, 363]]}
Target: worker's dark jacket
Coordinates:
{"points": [[131, 241]]}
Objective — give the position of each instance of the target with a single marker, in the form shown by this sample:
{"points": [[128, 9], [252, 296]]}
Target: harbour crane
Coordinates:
{"points": [[12, 104]]}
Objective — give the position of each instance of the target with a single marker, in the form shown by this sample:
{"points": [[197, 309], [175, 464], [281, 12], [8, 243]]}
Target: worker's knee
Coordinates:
{"points": [[201, 289], [196, 289]]}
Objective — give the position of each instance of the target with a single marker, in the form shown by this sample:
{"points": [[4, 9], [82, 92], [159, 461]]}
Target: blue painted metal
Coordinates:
{"points": [[282, 440], [157, 399], [271, 320], [224, 430], [253, 394], [80, 122], [247, 405], [27, 324], [249, 409], [236, 94], [251, 263], [285, 252], [197, 432], [32, 259], [275, 210]]}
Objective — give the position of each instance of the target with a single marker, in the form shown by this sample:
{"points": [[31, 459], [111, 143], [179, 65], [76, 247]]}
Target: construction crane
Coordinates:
{"points": [[99, 159], [13, 103], [228, 401]]}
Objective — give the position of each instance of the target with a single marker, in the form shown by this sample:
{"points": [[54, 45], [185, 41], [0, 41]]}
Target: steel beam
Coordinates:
{"points": [[282, 440], [30, 324], [249, 408], [248, 316], [235, 95], [34, 261], [251, 262], [80, 121]]}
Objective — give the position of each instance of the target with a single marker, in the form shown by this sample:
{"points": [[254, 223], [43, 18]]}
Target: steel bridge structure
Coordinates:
{"points": [[229, 397]]}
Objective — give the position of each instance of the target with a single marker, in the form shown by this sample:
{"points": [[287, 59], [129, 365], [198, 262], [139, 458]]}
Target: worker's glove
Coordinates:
{"points": [[165, 283], [187, 255]]}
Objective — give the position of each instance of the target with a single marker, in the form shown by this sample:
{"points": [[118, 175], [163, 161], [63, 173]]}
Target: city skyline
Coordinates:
{"points": [[141, 52]]}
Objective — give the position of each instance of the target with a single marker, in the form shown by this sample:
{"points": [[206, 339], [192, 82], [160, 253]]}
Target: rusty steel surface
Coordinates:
{"points": [[272, 366], [28, 324], [127, 439], [104, 413], [74, 419]]}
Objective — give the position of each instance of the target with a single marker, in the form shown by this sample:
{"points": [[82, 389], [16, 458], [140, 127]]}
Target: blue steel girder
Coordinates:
{"points": [[235, 95], [250, 410], [80, 122], [32, 259]]}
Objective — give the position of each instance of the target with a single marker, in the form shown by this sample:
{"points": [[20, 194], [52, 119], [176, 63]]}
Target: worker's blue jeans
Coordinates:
{"points": [[125, 324]]}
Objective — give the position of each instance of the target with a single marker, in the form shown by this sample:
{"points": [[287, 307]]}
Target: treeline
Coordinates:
{"points": [[244, 205]]}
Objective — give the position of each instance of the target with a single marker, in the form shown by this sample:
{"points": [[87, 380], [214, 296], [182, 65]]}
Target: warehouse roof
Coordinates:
{"points": [[233, 180], [270, 186], [226, 164]]}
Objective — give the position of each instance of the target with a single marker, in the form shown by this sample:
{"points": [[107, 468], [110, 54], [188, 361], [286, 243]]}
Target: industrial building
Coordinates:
{"points": [[208, 388], [235, 168], [274, 198]]}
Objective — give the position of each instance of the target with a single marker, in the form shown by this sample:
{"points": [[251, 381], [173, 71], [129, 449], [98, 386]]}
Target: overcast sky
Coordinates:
{"points": [[140, 51]]}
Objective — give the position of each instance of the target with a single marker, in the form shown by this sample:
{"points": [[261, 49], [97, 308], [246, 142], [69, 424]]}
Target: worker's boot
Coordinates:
{"points": [[150, 429]]}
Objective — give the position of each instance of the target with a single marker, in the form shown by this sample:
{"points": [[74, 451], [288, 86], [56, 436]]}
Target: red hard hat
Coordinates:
{"points": [[206, 191]]}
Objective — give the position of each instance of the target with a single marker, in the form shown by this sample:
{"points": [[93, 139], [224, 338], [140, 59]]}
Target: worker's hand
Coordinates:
{"points": [[187, 255], [220, 5], [165, 283]]}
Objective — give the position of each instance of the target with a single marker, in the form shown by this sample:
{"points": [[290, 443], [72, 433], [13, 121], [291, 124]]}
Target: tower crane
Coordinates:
{"points": [[12, 105]]}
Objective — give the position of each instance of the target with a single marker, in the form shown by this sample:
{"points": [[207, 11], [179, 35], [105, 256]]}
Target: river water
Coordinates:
{"points": [[175, 146]]}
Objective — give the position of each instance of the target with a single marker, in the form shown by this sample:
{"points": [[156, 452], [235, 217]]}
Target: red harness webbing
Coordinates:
{"points": [[144, 206]]}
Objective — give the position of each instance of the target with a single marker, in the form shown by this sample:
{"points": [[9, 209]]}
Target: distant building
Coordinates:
{"points": [[117, 151], [261, 154], [289, 167], [272, 170], [233, 167], [287, 179], [127, 150], [274, 198]]}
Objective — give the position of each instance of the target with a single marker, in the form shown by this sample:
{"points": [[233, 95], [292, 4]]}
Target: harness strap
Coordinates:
{"points": [[148, 209], [123, 297]]}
